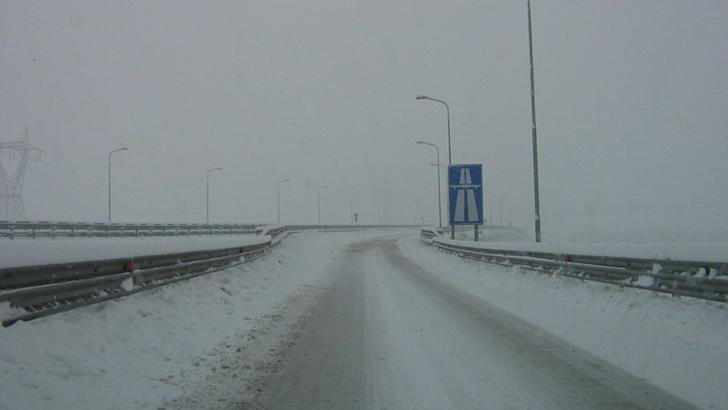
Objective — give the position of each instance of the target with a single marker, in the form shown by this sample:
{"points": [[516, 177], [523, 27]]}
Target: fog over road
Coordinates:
{"points": [[388, 334]]}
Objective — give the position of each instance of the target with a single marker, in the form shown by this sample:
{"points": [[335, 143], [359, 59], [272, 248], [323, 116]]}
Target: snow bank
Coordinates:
{"points": [[490, 234], [6, 311], [136, 351], [24, 252], [679, 345], [713, 252]]}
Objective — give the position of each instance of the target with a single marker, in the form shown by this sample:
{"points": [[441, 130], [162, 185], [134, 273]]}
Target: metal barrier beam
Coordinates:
{"points": [[685, 278], [36, 291]]}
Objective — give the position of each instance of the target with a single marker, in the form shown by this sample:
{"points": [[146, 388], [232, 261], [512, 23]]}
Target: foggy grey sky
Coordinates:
{"points": [[632, 104]]}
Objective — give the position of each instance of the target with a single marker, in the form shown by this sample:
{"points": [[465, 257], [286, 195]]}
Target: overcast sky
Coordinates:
{"points": [[632, 106]]}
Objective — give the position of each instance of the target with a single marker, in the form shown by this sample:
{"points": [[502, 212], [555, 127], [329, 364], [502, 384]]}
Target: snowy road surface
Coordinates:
{"points": [[371, 319], [388, 334]]}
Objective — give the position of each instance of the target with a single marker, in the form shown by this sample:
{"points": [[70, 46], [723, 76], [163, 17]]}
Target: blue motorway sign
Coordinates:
{"points": [[465, 193]]}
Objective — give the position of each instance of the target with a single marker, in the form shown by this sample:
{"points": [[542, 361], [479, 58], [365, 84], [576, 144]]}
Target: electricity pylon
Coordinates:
{"points": [[11, 180]]}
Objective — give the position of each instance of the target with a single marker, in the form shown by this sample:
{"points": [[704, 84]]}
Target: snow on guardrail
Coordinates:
{"points": [[699, 279], [55, 229], [29, 292]]}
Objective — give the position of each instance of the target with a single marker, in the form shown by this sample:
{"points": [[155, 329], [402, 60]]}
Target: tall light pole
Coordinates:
{"points": [[449, 145], [207, 192], [499, 203], [278, 198], [351, 205], [533, 128], [439, 191], [109, 185], [319, 202]]}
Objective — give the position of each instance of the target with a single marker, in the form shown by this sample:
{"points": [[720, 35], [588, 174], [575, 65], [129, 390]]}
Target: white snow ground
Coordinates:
{"points": [[145, 349], [24, 252], [677, 344]]}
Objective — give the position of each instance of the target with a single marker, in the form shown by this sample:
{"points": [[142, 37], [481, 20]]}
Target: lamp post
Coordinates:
{"points": [[449, 145], [319, 202], [109, 185], [351, 205], [207, 192], [534, 141], [278, 198], [439, 191]]}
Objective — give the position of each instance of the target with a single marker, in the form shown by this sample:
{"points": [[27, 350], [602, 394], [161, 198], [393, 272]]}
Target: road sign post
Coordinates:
{"points": [[465, 195]]}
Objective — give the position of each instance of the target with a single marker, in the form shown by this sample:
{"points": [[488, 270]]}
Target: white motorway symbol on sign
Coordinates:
{"points": [[466, 189]]}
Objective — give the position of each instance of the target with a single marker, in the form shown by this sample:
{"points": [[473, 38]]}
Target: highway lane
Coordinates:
{"points": [[388, 334]]}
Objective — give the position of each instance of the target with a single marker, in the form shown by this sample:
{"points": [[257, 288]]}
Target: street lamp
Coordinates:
{"points": [[351, 205], [449, 145], [278, 198], [439, 200], [207, 192], [109, 185], [319, 202], [534, 141]]}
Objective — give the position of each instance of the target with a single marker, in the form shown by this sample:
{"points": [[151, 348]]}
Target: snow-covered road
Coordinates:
{"points": [[389, 334], [371, 319]]}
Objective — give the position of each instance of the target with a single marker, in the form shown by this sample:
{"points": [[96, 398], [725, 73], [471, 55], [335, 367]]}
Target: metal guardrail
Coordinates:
{"points": [[276, 230], [54, 229], [698, 279], [36, 291], [430, 233]]}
